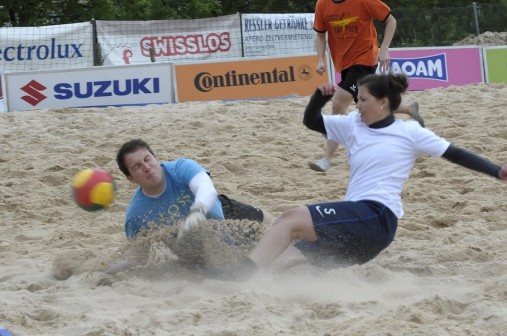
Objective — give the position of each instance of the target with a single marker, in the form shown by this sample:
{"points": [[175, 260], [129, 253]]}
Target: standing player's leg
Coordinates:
{"points": [[412, 110], [347, 92], [341, 101]]}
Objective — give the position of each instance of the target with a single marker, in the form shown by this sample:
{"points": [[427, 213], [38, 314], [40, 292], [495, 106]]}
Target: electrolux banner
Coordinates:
{"points": [[92, 87], [49, 47]]}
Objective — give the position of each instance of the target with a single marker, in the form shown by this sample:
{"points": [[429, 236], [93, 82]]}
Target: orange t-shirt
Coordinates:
{"points": [[351, 34]]}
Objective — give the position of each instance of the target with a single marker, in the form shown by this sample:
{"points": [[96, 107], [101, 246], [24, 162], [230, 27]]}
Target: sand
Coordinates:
{"points": [[445, 273], [485, 39]]}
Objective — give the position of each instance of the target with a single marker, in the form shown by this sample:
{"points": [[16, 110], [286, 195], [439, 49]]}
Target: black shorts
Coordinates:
{"points": [[349, 232], [350, 77], [236, 210]]}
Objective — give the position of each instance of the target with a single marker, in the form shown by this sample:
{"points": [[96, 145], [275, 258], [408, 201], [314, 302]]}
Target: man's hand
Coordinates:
{"points": [[384, 60], [195, 217], [321, 68]]}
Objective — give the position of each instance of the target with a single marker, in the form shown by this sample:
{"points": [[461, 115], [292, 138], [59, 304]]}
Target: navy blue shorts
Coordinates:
{"points": [[349, 233], [350, 77]]}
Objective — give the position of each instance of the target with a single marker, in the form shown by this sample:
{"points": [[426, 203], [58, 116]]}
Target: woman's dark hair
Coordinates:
{"points": [[127, 148], [389, 85]]}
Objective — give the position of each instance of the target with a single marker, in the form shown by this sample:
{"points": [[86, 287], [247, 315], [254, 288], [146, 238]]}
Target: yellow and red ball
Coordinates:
{"points": [[93, 189]]}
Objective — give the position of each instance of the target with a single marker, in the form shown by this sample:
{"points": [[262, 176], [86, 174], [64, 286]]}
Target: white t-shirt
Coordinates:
{"points": [[380, 159]]}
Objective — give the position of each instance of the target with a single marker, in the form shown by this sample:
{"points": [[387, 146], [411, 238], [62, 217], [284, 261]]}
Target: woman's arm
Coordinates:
{"points": [[475, 162], [313, 112]]}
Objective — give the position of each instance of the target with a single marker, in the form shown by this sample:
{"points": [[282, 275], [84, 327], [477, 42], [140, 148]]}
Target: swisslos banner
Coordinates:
{"points": [[50, 47], [137, 42], [92, 87]]}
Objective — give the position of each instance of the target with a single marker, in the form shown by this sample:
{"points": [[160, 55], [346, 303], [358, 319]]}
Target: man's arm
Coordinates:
{"points": [[205, 198], [203, 189], [321, 52], [383, 55]]}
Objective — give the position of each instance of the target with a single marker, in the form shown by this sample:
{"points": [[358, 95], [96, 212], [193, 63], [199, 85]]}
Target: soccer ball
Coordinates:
{"points": [[93, 189]]}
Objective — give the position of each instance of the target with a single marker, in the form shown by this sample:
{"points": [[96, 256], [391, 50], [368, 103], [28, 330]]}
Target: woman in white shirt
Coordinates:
{"points": [[381, 151]]}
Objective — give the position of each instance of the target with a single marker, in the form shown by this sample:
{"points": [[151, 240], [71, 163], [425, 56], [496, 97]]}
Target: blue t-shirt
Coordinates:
{"points": [[173, 204]]}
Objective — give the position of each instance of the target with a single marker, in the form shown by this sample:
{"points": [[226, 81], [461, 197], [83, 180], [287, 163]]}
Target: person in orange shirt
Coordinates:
{"points": [[354, 50]]}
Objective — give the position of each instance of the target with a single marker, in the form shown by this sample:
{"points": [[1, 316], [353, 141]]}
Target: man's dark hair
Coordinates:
{"points": [[127, 148]]}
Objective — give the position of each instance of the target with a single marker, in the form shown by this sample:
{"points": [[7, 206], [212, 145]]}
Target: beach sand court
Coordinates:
{"points": [[445, 273]]}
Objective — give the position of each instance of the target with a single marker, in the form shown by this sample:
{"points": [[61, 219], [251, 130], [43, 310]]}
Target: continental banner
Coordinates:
{"points": [[141, 42], [248, 79]]}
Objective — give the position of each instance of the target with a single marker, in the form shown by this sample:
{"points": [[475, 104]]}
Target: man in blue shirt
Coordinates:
{"points": [[168, 191], [172, 192]]}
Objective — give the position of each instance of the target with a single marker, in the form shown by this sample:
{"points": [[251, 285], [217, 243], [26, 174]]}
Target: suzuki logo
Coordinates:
{"points": [[33, 90]]}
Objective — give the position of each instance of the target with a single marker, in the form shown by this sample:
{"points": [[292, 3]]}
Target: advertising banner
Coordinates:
{"points": [[2, 101], [141, 42], [248, 79], [49, 47], [278, 34], [428, 68], [495, 64], [97, 87]]}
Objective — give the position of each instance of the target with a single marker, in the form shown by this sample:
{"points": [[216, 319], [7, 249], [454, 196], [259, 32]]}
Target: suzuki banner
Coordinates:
{"points": [[93, 87], [141, 42], [50, 47]]}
